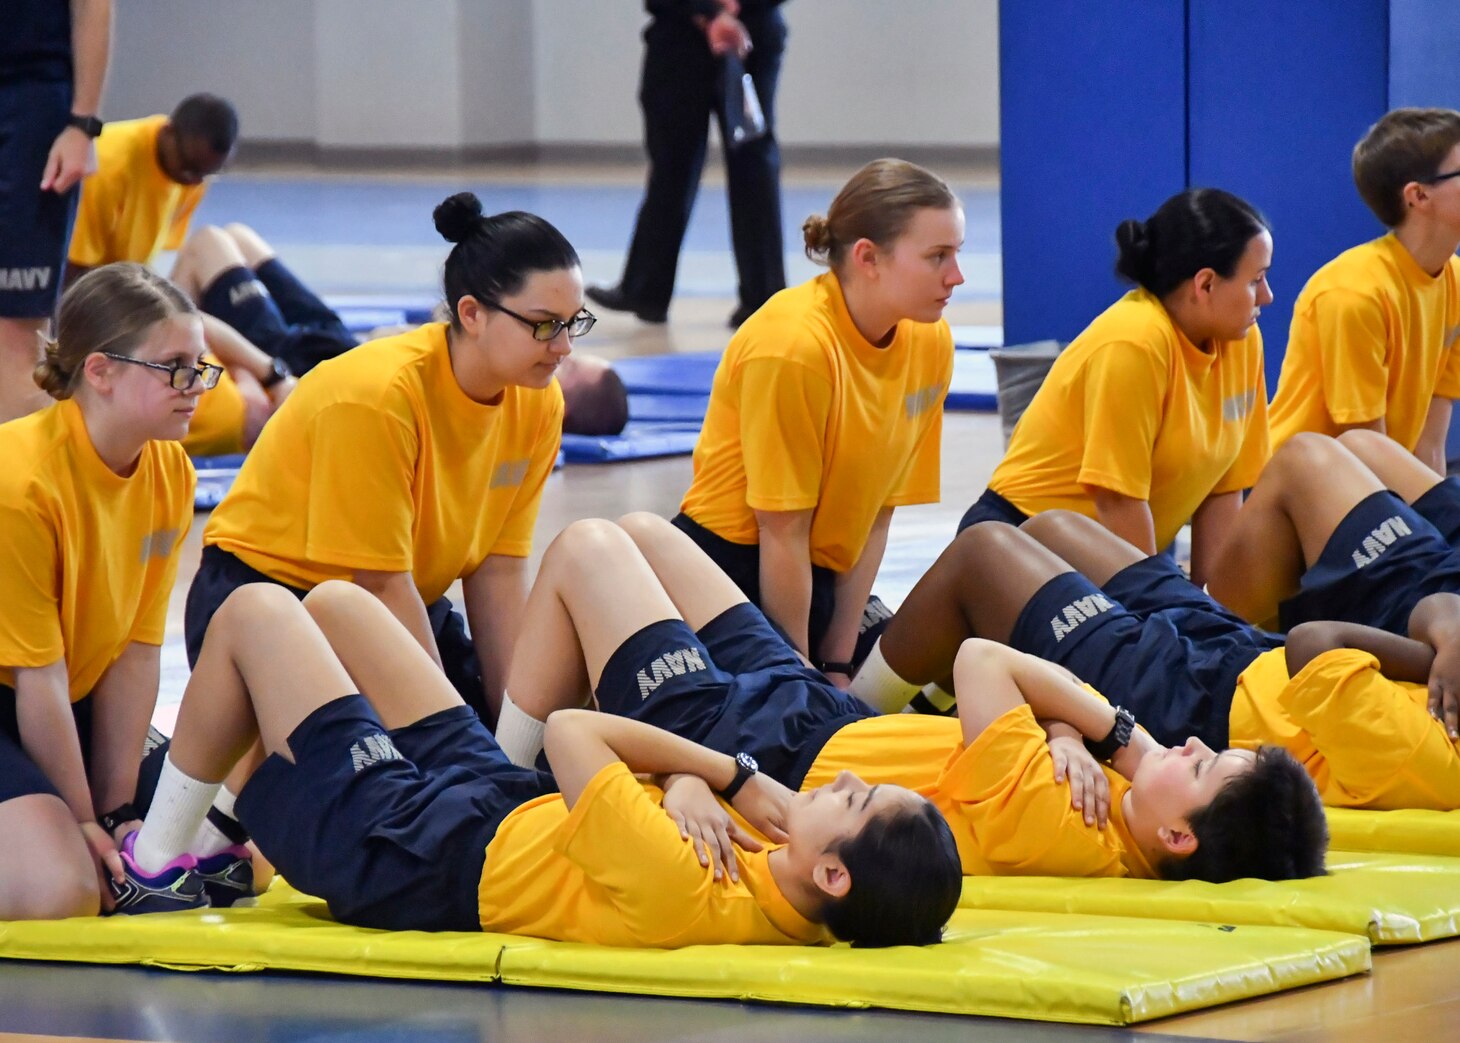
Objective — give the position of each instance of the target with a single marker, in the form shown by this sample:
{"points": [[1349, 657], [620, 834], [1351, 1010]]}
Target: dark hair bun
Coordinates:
{"points": [[458, 216], [1134, 244]]}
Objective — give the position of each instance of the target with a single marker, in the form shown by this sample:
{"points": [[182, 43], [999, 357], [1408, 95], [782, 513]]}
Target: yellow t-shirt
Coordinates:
{"points": [[614, 871], [379, 461], [1373, 335], [129, 208], [217, 425], [1008, 815], [1135, 407], [88, 558], [806, 413], [1367, 741]]}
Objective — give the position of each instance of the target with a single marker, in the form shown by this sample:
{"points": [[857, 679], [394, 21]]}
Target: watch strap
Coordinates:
{"points": [[743, 773], [88, 125], [117, 815], [1117, 738]]}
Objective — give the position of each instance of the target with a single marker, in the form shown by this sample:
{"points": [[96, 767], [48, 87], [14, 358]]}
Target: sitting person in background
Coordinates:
{"points": [[151, 175], [1156, 414], [1375, 331]]}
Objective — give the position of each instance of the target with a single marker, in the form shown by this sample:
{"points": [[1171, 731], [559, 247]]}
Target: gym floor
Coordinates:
{"points": [[351, 233]]}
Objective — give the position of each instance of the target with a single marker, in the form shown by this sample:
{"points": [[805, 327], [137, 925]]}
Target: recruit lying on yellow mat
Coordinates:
{"points": [[1089, 969]]}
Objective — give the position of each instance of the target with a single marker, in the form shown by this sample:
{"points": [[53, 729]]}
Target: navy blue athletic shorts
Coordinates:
{"points": [[221, 573], [992, 507], [19, 775], [35, 226], [1440, 506], [1380, 561], [735, 686], [281, 315], [389, 828], [1175, 666]]}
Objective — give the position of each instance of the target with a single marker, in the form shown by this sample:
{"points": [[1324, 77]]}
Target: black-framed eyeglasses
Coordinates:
{"points": [[547, 329], [179, 374], [1442, 177]]}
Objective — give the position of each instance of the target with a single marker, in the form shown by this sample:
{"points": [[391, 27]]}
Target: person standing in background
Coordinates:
{"points": [[685, 47]]}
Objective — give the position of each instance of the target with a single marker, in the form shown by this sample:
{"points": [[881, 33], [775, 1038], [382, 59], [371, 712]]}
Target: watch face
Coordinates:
{"points": [[747, 762]]}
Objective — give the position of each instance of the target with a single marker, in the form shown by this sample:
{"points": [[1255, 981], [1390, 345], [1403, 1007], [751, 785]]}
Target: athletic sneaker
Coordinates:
{"points": [[227, 876], [175, 886]]}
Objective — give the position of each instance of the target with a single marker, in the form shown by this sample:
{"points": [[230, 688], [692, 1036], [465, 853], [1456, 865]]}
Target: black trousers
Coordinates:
{"points": [[679, 90]]}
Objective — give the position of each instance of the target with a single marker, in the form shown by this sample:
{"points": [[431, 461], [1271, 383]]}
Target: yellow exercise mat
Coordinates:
{"points": [[1090, 969], [1417, 832], [1393, 899]]}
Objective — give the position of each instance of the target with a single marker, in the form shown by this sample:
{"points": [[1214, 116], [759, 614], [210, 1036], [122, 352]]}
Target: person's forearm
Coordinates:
{"points": [[992, 679], [1435, 621], [91, 34], [1127, 517], [1054, 695], [495, 596], [122, 706], [48, 735], [397, 591], [581, 743], [852, 590], [1400, 658], [785, 583], [1209, 528]]}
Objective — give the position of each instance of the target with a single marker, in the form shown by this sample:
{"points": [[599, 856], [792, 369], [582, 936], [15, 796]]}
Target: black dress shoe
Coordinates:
{"points": [[613, 298], [740, 314]]}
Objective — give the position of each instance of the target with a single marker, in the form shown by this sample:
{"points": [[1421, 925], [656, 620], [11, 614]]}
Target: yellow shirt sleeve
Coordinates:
{"points": [[30, 625], [94, 217], [1020, 817], [360, 501], [1125, 386], [1376, 739], [783, 413], [648, 892], [1352, 355], [515, 539]]}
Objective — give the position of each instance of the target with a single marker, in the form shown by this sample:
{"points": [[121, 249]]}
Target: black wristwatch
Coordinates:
{"points": [[115, 817], [831, 666], [278, 372], [1117, 739], [88, 125], [745, 767]]}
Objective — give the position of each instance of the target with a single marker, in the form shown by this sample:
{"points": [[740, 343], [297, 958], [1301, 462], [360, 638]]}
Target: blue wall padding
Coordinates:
{"points": [[689, 373], [1279, 94], [975, 384], [1092, 103]]}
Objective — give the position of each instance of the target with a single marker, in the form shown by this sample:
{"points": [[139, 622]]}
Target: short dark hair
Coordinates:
{"points": [[1405, 145], [493, 256], [1196, 229], [596, 404], [1266, 823], [208, 118], [906, 879]]}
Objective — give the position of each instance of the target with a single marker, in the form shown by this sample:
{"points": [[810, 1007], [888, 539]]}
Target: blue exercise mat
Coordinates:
{"points": [[977, 338], [639, 441], [673, 408], [363, 320], [686, 373], [414, 307], [975, 385], [215, 478]]}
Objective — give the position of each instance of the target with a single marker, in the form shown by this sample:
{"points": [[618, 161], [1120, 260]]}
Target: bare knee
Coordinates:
{"points": [[978, 543], [1366, 444], [334, 598], [643, 525], [250, 603], [50, 876], [583, 544], [1305, 456]]}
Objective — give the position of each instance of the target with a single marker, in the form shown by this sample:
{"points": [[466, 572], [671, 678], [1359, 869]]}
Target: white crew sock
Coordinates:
{"points": [[519, 734], [209, 839], [178, 806], [880, 686]]}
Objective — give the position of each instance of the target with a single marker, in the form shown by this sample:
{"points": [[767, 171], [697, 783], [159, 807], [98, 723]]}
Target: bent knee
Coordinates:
{"points": [[1305, 452], [639, 524], [251, 601], [585, 541], [1361, 439], [50, 876], [1059, 525]]}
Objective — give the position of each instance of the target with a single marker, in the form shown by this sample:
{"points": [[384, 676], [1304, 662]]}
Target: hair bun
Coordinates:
{"points": [[816, 235], [458, 216], [1134, 244]]}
